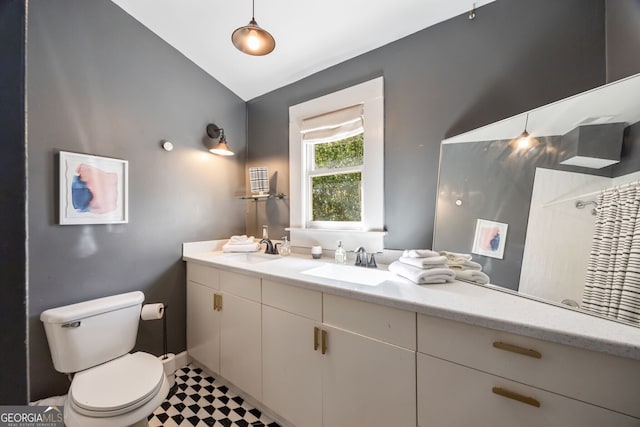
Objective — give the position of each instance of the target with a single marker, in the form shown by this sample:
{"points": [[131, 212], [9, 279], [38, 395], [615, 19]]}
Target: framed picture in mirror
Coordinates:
{"points": [[490, 238]]}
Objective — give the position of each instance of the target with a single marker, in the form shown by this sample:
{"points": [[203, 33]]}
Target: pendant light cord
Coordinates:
{"points": [[253, 10]]}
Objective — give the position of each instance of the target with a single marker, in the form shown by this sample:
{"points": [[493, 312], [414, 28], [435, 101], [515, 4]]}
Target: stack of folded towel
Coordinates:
{"points": [[423, 266], [465, 268], [241, 244]]}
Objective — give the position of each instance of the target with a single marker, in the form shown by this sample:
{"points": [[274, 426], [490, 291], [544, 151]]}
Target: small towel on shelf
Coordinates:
{"points": [[473, 276], [430, 262], [422, 276], [419, 253]]}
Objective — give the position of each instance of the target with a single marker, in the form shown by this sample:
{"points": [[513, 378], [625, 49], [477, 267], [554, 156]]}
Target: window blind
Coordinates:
{"points": [[334, 125]]}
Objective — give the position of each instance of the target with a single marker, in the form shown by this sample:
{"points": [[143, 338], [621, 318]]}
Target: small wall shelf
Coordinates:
{"points": [[257, 197]]}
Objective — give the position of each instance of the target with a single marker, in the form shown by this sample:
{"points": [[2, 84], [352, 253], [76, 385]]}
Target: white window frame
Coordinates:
{"points": [[370, 232]]}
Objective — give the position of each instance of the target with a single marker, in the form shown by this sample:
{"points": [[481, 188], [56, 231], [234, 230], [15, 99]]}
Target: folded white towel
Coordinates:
{"points": [[240, 240], [420, 275], [454, 256], [430, 262], [464, 265], [419, 253], [473, 276], [247, 247]]}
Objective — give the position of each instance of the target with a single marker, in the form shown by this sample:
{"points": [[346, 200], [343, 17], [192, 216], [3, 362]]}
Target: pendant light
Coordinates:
{"points": [[221, 148], [524, 141], [253, 40]]}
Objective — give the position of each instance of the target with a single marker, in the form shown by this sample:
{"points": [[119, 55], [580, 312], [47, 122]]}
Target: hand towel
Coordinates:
{"points": [[240, 240], [430, 262], [464, 265], [422, 276], [247, 247], [456, 257], [419, 253], [473, 276]]}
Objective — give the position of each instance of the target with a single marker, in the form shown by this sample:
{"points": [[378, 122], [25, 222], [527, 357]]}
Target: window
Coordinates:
{"points": [[336, 167]]}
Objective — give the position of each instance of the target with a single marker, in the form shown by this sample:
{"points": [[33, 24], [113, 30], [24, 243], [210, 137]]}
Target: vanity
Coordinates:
{"points": [[319, 351]]}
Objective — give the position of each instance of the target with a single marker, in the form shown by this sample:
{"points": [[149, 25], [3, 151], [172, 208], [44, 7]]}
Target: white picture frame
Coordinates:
{"points": [[490, 238], [92, 189]]}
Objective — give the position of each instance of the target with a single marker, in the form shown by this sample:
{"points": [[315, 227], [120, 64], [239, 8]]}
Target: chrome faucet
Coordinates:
{"points": [[363, 261], [271, 249]]}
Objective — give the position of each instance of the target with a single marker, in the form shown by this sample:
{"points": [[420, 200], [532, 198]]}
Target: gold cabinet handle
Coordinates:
{"points": [[324, 341], [315, 338], [516, 396], [217, 302], [516, 349]]}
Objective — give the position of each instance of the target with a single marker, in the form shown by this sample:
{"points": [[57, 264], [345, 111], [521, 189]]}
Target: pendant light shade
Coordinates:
{"points": [[253, 40], [524, 140]]}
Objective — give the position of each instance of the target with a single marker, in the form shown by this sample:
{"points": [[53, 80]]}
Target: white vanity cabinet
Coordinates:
{"points": [[470, 375], [203, 318], [224, 325], [291, 353], [332, 361], [369, 369]]}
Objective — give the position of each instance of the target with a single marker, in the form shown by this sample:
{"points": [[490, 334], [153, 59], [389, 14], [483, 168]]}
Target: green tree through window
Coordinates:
{"points": [[336, 189]]}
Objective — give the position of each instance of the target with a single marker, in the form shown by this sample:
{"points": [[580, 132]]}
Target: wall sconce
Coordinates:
{"points": [[221, 148]]}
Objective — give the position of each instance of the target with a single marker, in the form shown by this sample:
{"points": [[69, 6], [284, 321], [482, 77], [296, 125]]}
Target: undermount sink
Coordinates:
{"points": [[352, 274], [250, 258]]}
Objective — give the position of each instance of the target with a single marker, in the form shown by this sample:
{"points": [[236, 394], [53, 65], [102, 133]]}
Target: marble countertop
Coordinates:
{"points": [[460, 301]]}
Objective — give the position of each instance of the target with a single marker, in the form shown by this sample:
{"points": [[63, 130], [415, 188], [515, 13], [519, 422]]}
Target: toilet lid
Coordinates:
{"points": [[126, 382]]}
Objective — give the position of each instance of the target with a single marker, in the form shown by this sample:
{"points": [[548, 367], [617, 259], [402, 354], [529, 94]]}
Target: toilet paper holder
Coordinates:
{"points": [[155, 312]]}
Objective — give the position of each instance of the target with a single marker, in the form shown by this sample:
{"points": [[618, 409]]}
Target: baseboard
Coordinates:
{"points": [[182, 360]]}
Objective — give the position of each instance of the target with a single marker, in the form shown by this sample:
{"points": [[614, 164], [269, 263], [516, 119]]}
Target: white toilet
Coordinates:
{"points": [[92, 340]]}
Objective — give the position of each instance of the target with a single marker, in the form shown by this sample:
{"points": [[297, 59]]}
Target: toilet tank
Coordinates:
{"points": [[89, 333]]}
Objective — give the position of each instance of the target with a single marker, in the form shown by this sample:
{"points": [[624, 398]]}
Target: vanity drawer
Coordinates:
{"points": [[598, 378], [241, 285], [454, 395], [292, 299], [383, 323], [207, 276]]}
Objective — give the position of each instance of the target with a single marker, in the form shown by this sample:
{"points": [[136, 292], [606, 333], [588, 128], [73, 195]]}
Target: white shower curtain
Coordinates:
{"points": [[612, 285]]}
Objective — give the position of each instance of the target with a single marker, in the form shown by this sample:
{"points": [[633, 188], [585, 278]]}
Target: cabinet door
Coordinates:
{"points": [[203, 326], [241, 344], [367, 382], [291, 368], [453, 395]]}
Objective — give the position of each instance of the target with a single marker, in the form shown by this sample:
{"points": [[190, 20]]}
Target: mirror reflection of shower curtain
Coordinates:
{"points": [[612, 285]]}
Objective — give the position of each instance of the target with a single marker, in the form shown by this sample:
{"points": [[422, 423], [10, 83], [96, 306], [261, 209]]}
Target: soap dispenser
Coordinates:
{"points": [[285, 247], [341, 254]]}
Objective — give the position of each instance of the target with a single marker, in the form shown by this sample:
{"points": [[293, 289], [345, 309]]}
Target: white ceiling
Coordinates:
{"points": [[310, 35]]}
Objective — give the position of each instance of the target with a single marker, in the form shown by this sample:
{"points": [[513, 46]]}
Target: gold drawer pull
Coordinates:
{"points": [[515, 396], [324, 341], [516, 349], [315, 338]]}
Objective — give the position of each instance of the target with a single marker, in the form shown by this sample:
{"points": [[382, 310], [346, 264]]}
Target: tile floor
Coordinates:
{"points": [[199, 400]]}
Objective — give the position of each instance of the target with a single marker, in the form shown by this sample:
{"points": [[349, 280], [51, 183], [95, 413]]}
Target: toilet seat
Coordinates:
{"points": [[118, 386]]}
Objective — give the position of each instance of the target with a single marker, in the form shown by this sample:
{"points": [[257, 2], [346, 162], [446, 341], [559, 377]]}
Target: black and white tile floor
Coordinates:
{"points": [[199, 400]]}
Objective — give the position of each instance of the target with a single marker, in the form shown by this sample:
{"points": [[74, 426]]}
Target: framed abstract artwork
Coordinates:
{"points": [[490, 238], [93, 189]]}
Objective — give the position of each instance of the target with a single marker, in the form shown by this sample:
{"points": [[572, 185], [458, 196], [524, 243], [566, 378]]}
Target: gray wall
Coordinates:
{"points": [[444, 80], [101, 83], [623, 38], [13, 361]]}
